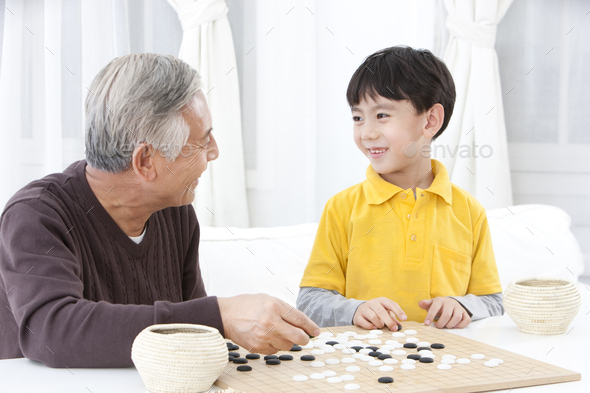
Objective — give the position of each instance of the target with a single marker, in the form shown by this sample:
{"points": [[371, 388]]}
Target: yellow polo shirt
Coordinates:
{"points": [[376, 240]]}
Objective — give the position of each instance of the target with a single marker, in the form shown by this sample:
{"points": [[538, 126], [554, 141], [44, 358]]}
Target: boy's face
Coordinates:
{"points": [[384, 128]]}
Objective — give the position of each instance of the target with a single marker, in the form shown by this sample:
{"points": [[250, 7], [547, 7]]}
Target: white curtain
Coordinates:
{"points": [[474, 146], [207, 45], [50, 52]]}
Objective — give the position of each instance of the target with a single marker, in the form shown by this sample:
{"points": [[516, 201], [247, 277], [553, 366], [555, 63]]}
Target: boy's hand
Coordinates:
{"points": [[379, 312], [450, 313]]}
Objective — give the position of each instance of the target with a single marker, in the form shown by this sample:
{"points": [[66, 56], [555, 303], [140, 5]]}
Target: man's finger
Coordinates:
{"points": [[298, 319], [432, 311]]}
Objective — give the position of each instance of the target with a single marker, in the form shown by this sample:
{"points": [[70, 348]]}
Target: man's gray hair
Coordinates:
{"points": [[136, 99]]}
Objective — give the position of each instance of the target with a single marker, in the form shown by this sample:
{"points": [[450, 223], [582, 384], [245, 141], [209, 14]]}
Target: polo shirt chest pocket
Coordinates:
{"points": [[450, 272]]}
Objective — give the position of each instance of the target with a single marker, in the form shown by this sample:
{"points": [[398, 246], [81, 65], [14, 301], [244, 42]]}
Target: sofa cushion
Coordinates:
{"points": [[528, 240]]}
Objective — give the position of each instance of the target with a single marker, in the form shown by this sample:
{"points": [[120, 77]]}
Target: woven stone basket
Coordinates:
{"points": [[542, 305], [177, 358]]}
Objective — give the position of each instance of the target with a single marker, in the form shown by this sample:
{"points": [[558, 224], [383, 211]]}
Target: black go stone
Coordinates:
{"points": [[234, 354], [410, 345], [437, 346], [399, 327], [273, 362], [375, 354], [414, 356], [252, 356], [230, 358], [244, 368], [423, 349], [295, 348], [232, 347], [357, 348], [331, 342], [384, 356], [385, 380], [307, 358], [422, 360], [240, 360], [373, 348], [285, 357], [269, 357]]}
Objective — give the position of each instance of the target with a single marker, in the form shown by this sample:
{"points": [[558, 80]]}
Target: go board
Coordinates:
{"points": [[515, 371]]}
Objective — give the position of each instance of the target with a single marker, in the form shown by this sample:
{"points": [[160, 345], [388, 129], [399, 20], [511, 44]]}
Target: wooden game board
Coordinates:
{"points": [[516, 371]]}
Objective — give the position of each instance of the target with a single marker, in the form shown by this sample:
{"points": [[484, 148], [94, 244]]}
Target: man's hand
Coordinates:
{"points": [[450, 313], [379, 312], [264, 324]]}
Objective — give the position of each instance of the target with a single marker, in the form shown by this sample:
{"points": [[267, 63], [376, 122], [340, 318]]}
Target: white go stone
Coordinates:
{"points": [[350, 333], [384, 351], [358, 356], [371, 336], [365, 351], [376, 332], [376, 363], [353, 343], [399, 345], [348, 351], [463, 361], [333, 361], [317, 376], [398, 334], [444, 367], [489, 363], [317, 352], [410, 332], [300, 378], [328, 349], [309, 345], [326, 334], [386, 368], [353, 369], [407, 366], [449, 357], [389, 347], [317, 364], [375, 342], [319, 343], [499, 361], [399, 352], [412, 340], [339, 346], [478, 356], [334, 380], [423, 344], [351, 386], [360, 337], [367, 358], [408, 361], [448, 361], [390, 361], [427, 355], [348, 360], [347, 377], [329, 373]]}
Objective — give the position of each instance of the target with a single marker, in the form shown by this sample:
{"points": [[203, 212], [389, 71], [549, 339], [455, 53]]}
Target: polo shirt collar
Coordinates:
{"points": [[377, 190]]}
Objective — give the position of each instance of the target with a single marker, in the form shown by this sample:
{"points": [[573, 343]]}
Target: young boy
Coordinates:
{"points": [[405, 243]]}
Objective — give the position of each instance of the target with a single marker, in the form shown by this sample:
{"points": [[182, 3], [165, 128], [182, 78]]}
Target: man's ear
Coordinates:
{"points": [[143, 162], [435, 117]]}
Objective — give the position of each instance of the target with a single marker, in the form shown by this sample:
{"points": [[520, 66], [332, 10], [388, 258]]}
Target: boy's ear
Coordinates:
{"points": [[143, 162], [434, 120]]}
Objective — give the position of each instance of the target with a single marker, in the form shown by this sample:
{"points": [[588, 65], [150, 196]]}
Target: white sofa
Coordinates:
{"points": [[529, 240]]}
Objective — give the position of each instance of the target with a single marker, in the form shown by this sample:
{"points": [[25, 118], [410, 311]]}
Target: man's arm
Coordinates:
{"points": [[480, 307], [330, 307]]}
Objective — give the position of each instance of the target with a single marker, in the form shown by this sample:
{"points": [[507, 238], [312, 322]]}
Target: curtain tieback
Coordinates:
{"points": [[201, 12], [479, 34]]}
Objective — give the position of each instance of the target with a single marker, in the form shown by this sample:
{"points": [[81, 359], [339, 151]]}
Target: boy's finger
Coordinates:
{"points": [[364, 323], [398, 324], [464, 322], [385, 318], [454, 321], [434, 308], [397, 310], [425, 304], [446, 313]]}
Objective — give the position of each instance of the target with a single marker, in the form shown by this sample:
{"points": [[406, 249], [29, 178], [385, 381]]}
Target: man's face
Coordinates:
{"points": [[180, 178], [383, 128]]}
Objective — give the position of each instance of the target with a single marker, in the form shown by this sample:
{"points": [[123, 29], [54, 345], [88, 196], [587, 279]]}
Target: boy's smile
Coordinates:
{"points": [[384, 129]]}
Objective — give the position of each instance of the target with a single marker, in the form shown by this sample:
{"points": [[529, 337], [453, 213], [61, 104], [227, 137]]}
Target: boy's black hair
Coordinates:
{"points": [[404, 73]]}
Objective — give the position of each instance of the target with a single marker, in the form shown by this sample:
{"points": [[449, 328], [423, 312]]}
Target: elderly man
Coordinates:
{"points": [[91, 256]]}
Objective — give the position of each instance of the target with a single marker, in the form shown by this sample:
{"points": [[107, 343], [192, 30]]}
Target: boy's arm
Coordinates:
{"points": [[480, 307], [330, 308]]}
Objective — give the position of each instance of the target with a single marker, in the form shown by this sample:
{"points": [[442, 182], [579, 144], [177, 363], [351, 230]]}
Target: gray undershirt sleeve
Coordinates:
{"points": [[480, 307], [327, 308]]}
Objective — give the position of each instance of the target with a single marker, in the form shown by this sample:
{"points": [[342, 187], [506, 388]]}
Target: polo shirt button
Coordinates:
{"points": [[403, 196], [413, 237], [409, 215]]}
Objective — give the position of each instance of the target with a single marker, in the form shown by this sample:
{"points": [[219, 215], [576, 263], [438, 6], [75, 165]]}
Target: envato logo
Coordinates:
{"points": [[462, 151]]}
